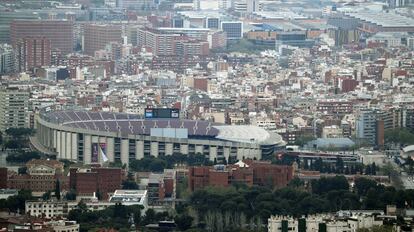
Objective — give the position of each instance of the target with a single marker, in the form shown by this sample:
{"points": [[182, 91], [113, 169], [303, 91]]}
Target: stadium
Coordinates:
{"points": [[97, 137]]}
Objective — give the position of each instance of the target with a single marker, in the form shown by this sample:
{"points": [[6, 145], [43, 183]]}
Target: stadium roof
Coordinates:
{"points": [[247, 134], [409, 148], [384, 19]]}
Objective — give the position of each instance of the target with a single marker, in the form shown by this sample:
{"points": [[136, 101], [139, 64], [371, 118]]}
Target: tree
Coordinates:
{"points": [[22, 157], [18, 133], [22, 170], [183, 222], [303, 140], [399, 135], [57, 189], [99, 195], [150, 217], [46, 196], [17, 203], [128, 184], [318, 164], [296, 183], [339, 164], [373, 169], [362, 185], [71, 195], [368, 170]]}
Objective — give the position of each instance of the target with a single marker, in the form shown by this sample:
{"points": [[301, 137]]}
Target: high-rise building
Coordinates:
{"points": [[97, 36], [191, 48], [59, 32], [366, 126], [159, 43], [13, 108], [6, 59], [6, 17], [32, 52]]}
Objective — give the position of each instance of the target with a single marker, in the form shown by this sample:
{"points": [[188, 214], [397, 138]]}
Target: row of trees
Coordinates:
{"points": [[401, 136], [17, 138], [158, 164], [22, 156], [119, 217], [242, 208], [326, 195], [16, 203], [339, 167]]}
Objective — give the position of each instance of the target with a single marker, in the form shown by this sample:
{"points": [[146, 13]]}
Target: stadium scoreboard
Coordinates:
{"points": [[162, 113]]}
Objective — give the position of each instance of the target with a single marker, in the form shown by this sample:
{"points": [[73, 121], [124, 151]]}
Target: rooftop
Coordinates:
{"points": [[384, 19]]}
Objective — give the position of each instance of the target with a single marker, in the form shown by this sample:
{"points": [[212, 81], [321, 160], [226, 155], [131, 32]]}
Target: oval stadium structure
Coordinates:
{"points": [[96, 137]]}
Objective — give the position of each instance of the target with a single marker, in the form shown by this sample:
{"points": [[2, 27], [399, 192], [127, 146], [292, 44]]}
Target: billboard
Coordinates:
{"points": [[95, 153], [162, 113], [98, 149]]}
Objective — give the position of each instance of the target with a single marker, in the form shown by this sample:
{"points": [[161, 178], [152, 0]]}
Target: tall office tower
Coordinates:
{"points": [[32, 52], [59, 32], [6, 59], [97, 36], [13, 108]]}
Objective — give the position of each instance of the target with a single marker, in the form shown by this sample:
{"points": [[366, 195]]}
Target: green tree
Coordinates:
{"points": [[17, 203], [46, 196], [399, 135], [57, 189], [183, 221], [339, 164], [129, 184], [362, 185], [18, 133], [303, 140], [22, 170], [71, 195]]}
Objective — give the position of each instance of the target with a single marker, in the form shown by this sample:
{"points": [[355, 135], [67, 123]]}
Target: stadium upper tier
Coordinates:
{"points": [[135, 125]]}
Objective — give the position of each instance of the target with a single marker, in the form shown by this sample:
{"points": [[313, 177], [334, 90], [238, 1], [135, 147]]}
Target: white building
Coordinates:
{"points": [[323, 223], [130, 197], [13, 108], [50, 209]]}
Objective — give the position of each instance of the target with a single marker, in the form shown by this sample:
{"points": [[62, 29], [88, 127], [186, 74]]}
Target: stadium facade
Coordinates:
{"points": [[96, 137]]}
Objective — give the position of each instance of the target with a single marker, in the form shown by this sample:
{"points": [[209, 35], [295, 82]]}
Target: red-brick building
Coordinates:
{"points": [[265, 173], [59, 32], [94, 180], [41, 176], [248, 172], [33, 52], [97, 36]]}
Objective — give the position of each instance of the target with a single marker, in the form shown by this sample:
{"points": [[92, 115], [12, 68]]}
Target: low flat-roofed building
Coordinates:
{"points": [[130, 197], [6, 193]]}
